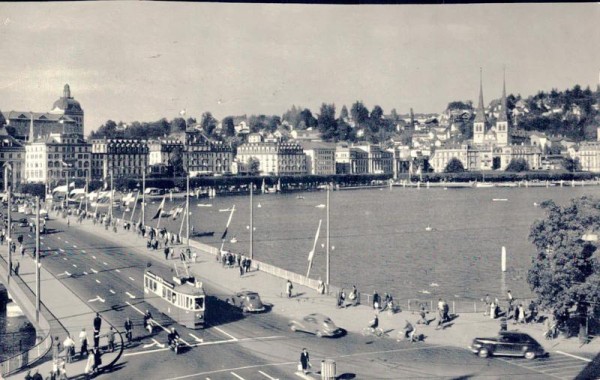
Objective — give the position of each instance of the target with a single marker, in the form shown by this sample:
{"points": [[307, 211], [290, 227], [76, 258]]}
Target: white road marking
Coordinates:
{"points": [[131, 278], [93, 257], [83, 251], [66, 242], [303, 376], [130, 295], [62, 250], [29, 235], [236, 375], [199, 340], [118, 271], [74, 246], [104, 262], [86, 273], [112, 291], [516, 363], [267, 376], [93, 270], [98, 281], [156, 343], [574, 356], [225, 333], [58, 237], [65, 274], [74, 266], [98, 298], [64, 258]]}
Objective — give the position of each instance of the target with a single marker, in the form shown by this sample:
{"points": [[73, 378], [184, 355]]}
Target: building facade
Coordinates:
{"points": [[65, 117], [351, 160], [320, 158], [12, 155], [58, 156], [161, 151], [205, 157], [119, 158], [274, 157], [588, 156]]}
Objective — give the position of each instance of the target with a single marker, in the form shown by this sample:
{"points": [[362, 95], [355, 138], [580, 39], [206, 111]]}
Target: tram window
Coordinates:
{"points": [[154, 286], [164, 292], [174, 298], [168, 297], [199, 303]]}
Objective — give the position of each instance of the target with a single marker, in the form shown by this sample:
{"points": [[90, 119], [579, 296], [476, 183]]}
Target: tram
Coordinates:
{"points": [[181, 298]]}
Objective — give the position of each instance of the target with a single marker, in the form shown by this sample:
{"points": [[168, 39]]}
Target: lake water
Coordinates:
{"points": [[379, 237]]}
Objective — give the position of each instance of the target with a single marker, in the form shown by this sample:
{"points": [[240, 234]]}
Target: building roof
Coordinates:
{"points": [[66, 103], [480, 116], [37, 116], [307, 145], [503, 116]]}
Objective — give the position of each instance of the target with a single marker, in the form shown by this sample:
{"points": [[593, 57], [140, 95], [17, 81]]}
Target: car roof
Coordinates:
{"points": [[246, 293], [514, 333]]}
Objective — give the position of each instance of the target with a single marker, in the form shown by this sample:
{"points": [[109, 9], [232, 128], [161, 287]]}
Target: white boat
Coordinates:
{"points": [[259, 205], [428, 228], [204, 205], [499, 200], [484, 184], [434, 284], [233, 240], [320, 206]]}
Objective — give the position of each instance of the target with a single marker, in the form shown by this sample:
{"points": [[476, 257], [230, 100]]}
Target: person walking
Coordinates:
{"points": [[55, 348], [521, 313], [89, 364], [96, 338], [83, 340], [97, 360], [110, 335], [532, 312], [353, 296], [69, 345], [129, 330], [305, 361], [376, 301], [288, 288]]}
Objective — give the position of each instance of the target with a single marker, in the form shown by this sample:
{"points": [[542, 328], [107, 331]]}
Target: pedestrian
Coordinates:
{"points": [[55, 348], [97, 322], [532, 312], [376, 301], [167, 250], [17, 267], [22, 251], [37, 376], [353, 296], [423, 315], [148, 321], [111, 339], [128, 330], [96, 338], [62, 371], [487, 301], [69, 346], [89, 365], [288, 288], [83, 341], [341, 299], [521, 313], [509, 299], [241, 271], [305, 361]]}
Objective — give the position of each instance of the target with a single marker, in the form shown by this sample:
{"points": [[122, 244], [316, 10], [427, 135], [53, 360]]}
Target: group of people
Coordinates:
{"points": [[230, 260], [385, 303], [352, 297], [517, 311]]}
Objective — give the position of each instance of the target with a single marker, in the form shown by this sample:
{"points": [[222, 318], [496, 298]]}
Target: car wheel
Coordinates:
{"points": [[530, 355], [484, 353], [319, 333], [293, 328]]}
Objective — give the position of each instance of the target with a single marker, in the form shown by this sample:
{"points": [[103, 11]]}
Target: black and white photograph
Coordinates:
{"points": [[272, 191]]}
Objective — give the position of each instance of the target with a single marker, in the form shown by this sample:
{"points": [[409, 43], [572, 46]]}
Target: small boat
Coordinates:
{"points": [[233, 240], [320, 206], [428, 228], [499, 200], [259, 205], [434, 284], [204, 205], [425, 291], [201, 234], [535, 204]]}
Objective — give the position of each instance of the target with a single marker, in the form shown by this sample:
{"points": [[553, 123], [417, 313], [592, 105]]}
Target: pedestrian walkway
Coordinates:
{"points": [[457, 333], [70, 312]]}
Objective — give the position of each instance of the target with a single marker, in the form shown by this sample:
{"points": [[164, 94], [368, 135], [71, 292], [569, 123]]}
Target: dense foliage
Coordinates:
{"points": [[454, 166], [517, 165], [565, 274]]}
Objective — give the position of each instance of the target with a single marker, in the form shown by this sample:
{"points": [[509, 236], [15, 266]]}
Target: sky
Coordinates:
{"points": [[142, 61]]}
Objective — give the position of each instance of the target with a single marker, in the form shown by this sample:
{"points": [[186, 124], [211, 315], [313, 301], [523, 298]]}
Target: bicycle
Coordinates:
{"points": [[377, 331]]}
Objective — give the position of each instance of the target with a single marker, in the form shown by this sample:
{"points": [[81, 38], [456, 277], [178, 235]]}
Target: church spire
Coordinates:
{"points": [[503, 109], [480, 117]]}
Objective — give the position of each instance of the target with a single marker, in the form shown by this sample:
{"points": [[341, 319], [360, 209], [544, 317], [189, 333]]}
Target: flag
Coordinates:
{"points": [[178, 210], [160, 208], [228, 222]]}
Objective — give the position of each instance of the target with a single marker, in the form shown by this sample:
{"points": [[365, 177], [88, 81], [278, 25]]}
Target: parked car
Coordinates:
{"points": [[507, 344], [23, 222], [318, 324], [248, 301]]}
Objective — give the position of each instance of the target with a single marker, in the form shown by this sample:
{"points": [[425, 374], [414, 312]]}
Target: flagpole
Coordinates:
{"points": [[183, 220], [187, 210], [311, 254], [251, 223], [160, 211], [327, 242], [87, 189], [134, 206], [144, 197], [111, 196]]}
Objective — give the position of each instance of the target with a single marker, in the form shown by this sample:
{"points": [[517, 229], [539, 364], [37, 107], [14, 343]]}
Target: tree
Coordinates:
{"points": [[572, 164], [208, 123], [344, 113], [253, 166], [565, 273], [177, 124], [326, 122], [359, 113], [454, 166], [176, 161], [517, 165], [228, 126]]}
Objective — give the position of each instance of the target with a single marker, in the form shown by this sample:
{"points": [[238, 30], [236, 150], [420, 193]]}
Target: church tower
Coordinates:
{"points": [[479, 125], [502, 131]]}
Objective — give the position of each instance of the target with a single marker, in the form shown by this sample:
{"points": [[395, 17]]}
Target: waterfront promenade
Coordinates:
{"points": [[457, 333], [65, 313]]}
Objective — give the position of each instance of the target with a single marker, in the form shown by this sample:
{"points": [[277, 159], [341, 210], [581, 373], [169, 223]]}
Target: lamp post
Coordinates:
{"points": [[251, 222], [37, 259], [327, 277], [187, 210], [9, 240]]}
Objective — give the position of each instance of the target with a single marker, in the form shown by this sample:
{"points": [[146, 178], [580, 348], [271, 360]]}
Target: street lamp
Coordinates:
{"points": [[8, 167]]}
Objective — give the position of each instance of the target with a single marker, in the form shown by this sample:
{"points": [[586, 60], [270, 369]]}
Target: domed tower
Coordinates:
{"points": [[70, 107]]}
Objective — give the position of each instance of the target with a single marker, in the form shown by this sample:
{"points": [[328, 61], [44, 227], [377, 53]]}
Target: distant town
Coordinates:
{"points": [[548, 131]]}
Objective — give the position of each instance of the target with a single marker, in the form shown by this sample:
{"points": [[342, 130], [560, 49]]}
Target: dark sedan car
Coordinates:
{"points": [[318, 324], [507, 344], [248, 301]]}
